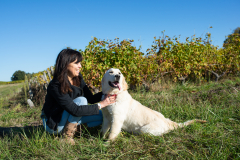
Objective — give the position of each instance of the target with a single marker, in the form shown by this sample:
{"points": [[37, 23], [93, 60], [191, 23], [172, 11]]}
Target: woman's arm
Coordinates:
{"points": [[88, 94], [64, 101], [90, 97]]}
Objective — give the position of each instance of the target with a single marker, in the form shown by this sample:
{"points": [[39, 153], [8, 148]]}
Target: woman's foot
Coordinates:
{"points": [[69, 131]]}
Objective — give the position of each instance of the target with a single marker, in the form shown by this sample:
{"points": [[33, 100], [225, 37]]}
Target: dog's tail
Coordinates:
{"points": [[180, 125]]}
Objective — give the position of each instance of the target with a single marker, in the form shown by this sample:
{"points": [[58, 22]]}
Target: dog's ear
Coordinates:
{"points": [[125, 85]]}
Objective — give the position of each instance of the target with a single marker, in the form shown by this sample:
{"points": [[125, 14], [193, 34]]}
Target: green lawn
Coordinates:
{"points": [[218, 103]]}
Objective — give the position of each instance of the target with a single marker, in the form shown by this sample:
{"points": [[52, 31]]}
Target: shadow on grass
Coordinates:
{"points": [[11, 131], [86, 132]]}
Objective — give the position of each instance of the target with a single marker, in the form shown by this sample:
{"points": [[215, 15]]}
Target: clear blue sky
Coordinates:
{"points": [[33, 32]]}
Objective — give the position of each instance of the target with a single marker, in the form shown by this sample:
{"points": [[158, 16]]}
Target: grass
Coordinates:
{"points": [[9, 89], [6, 92], [218, 103]]}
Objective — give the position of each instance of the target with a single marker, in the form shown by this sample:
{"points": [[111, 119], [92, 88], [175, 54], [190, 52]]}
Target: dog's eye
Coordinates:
{"points": [[119, 73], [111, 72]]}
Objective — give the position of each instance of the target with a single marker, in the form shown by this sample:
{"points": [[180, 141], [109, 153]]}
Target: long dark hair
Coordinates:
{"points": [[64, 58]]}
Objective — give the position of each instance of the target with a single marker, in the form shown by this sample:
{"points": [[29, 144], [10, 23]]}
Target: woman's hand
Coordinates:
{"points": [[108, 99]]}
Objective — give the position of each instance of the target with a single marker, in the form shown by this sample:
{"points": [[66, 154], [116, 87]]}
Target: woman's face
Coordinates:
{"points": [[73, 69]]}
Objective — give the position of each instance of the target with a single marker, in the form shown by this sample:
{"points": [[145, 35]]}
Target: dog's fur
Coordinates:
{"points": [[130, 115]]}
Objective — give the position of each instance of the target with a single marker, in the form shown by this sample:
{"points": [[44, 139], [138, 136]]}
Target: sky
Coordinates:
{"points": [[33, 32]]}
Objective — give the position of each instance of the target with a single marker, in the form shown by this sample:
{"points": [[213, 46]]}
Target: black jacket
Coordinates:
{"points": [[56, 102]]}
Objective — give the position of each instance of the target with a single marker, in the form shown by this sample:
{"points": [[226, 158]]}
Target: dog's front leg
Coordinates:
{"points": [[105, 127], [106, 122], [115, 128]]}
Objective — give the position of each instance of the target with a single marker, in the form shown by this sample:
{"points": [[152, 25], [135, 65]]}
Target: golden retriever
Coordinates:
{"points": [[130, 115]]}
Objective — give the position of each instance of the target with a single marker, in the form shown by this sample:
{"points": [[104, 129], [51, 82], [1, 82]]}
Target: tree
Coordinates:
{"points": [[18, 75], [232, 36], [29, 75], [237, 30]]}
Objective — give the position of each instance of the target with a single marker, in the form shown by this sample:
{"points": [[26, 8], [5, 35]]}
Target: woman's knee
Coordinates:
{"points": [[80, 101], [92, 118]]}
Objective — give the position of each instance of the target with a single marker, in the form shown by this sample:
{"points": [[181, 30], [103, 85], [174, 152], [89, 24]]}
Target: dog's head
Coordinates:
{"points": [[113, 82]]}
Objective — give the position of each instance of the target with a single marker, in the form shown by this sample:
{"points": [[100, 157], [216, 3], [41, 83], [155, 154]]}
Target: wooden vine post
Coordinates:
{"points": [[34, 81], [52, 71]]}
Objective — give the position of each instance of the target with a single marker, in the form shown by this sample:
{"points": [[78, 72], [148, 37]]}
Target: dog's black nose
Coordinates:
{"points": [[117, 77]]}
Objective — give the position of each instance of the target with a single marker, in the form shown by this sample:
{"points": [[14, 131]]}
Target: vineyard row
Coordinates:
{"points": [[194, 59]]}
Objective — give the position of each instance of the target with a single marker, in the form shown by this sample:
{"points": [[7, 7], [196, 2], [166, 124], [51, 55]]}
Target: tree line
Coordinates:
{"points": [[20, 75]]}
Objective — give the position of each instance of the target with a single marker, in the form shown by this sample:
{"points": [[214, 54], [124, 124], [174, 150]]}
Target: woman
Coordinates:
{"points": [[66, 102]]}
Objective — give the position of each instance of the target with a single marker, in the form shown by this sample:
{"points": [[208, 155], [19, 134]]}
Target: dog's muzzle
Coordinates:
{"points": [[115, 84]]}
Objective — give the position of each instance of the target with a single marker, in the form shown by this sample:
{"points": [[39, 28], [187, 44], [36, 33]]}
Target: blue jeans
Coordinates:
{"points": [[92, 121]]}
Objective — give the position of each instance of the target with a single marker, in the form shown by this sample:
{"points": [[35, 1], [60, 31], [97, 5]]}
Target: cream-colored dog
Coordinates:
{"points": [[130, 115]]}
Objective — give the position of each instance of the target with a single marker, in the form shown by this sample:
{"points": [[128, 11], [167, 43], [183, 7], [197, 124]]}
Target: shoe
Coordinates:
{"points": [[69, 131]]}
